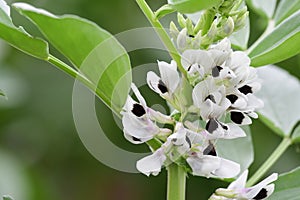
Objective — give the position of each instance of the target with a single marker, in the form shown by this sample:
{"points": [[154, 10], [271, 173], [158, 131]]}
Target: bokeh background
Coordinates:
{"points": [[41, 155]]}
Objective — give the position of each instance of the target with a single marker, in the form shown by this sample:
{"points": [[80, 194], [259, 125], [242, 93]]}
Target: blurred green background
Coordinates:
{"points": [[41, 155]]}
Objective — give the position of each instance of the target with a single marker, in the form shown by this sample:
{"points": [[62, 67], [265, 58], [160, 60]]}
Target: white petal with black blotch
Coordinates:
{"points": [[237, 101], [240, 118], [152, 164], [263, 189], [218, 130], [200, 58], [169, 80], [210, 99], [169, 75]]}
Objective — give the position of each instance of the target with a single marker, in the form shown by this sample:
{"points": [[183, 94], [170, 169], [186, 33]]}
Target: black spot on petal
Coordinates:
{"points": [[210, 150], [187, 139], [211, 125], [191, 36], [232, 98], [136, 139], [210, 97], [246, 89], [138, 110], [224, 126], [237, 117], [162, 87], [216, 71], [263, 193], [189, 68]]}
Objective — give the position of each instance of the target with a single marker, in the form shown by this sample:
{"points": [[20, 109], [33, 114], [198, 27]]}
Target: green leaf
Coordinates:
{"points": [[192, 6], [264, 8], [239, 39], [100, 57], [282, 43], [18, 37], [6, 197], [287, 186], [285, 9], [280, 93], [296, 134], [228, 149]]}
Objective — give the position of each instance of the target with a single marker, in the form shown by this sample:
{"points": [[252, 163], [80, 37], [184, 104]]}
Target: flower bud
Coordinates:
{"points": [[181, 20], [226, 28], [173, 30], [240, 22]]}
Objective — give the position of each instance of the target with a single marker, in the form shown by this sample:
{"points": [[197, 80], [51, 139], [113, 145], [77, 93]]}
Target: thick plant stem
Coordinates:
{"points": [[162, 33], [285, 143], [176, 182]]}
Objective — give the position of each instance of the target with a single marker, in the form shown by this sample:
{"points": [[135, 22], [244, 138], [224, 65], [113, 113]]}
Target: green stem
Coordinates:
{"points": [[285, 143], [162, 33], [176, 182]]}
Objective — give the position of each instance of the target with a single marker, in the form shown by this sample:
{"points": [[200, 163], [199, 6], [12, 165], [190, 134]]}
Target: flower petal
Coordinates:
{"points": [[240, 182], [152, 164], [169, 75], [258, 187], [204, 165], [227, 169]]}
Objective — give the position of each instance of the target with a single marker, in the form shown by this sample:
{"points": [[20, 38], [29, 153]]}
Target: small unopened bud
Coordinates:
{"points": [[227, 27], [173, 30], [182, 39], [189, 26], [225, 193], [240, 22], [181, 20]]}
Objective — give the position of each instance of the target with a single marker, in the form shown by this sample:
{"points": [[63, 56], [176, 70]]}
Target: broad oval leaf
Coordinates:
{"points": [[287, 186], [296, 135], [98, 55], [281, 94], [264, 8], [244, 156], [285, 9], [192, 6], [282, 43], [18, 37]]}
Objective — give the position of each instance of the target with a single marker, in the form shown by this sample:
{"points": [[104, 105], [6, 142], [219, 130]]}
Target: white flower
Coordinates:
{"points": [[205, 162], [237, 190], [176, 146], [208, 62], [168, 82], [152, 164], [210, 99], [139, 120]]}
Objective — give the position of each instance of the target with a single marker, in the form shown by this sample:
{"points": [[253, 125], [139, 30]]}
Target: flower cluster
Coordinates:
{"points": [[211, 101], [210, 25]]}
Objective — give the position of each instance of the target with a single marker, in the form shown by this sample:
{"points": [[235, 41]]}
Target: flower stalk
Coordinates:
{"points": [[162, 33], [176, 182], [282, 147]]}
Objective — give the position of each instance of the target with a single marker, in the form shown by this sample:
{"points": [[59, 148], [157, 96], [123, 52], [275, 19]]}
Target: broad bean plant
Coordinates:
{"points": [[214, 85]]}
